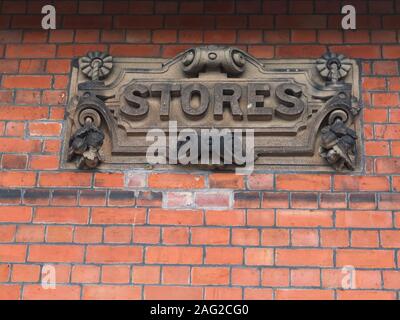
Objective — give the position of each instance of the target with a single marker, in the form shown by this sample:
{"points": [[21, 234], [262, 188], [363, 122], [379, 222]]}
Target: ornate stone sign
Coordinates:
{"points": [[303, 113]]}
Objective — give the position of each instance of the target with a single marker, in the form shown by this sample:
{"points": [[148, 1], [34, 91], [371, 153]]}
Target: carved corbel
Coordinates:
{"points": [[85, 143], [338, 142]]}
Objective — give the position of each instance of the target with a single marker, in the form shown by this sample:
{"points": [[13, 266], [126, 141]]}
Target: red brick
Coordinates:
{"points": [[363, 219], [303, 36], [190, 36], [275, 237], [113, 254], [30, 51], [76, 50], [34, 82], [275, 200], [257, 294], [245, 276], [259, 256], [118, 234], [31, 66], [386, 67], [390, 238], [59, 233], [226, 180], [225, 217], [172, 293], [5, 270], [213, 199], [13, 161], [365, 258], [19, 145], [305, 277], [260, 217], [304, 257], [189, 21], [387, 131], [224, 255], [118, 216], [146, 274], [172, 181], [55, 253], [62, 215], [138, 36], [17, 179], [138, 22], [387, 165], [164, 36], [303, 294], [365, 295], [359, 51], [210, 236], [304, 238], [111, 292], [109, 180], [115, 274], [303, 182], [192, 7], [15, 214], [65, 179], [376, 148], [61, 36], [223, 293], [364, 239], [277, 36], [245, 237], [146, 234], [210, 276], [175, 217], [7, 233], [44, 162], [300, 22], [304, 218], [304, 200], [175, 235], [61, 292], [85, 274], [391, 279], [88, 234], [174, 255], [391, 52], [334, 238], [175, 275], [30, 233], [385, 99], [12, 253], [220, 36]]}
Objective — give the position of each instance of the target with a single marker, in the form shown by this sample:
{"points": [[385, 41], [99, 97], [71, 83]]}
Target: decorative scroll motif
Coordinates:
{"points": [[85, 144], [304, 113]]}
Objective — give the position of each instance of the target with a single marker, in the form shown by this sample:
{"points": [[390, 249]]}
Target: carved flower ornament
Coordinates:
{"points": [[333, 67], [96, 65]]}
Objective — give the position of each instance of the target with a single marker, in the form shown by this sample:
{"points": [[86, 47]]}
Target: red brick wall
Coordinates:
{"points": [[268, 235]]}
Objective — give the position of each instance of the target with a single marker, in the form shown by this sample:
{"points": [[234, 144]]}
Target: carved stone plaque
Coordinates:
{"points": [[304, 113]]}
